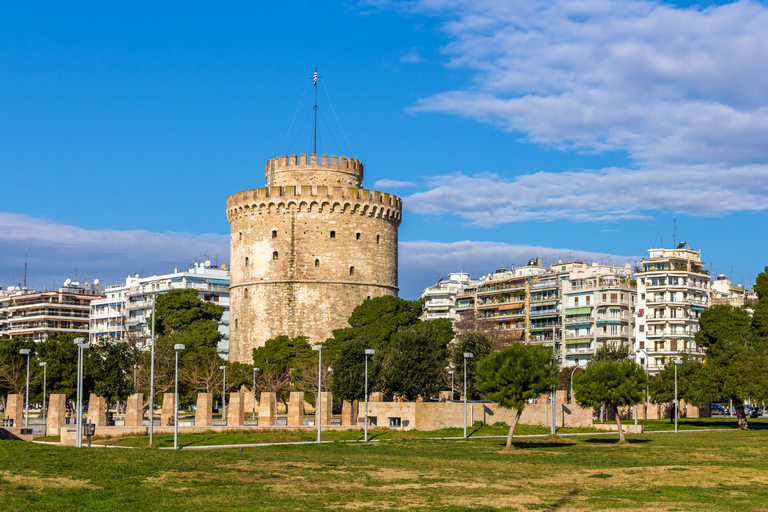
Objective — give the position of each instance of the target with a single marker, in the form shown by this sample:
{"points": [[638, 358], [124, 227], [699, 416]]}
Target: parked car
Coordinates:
{"points": [[752, 412], [717, 410]]}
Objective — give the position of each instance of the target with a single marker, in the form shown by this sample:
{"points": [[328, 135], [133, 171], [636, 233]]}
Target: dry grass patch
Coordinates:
{"points": [[37, 482]]}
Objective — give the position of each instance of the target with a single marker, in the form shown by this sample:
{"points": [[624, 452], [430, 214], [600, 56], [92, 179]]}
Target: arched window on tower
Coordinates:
{"points": [[274, 255], [246, 261], [235, 323], [333, 235], [274, 233], [351, 271], [245, 292], [357, 236], [317, 263], [378, 237]]}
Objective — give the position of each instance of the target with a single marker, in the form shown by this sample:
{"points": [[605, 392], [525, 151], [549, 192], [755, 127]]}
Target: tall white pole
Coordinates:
{"points": [[45, 380], [368, 351], [176, 405], [224, 395], [319, 349], [675, 411], [152, 376], [554, 389], [79, 412], [452, 386], [253, 401], [26, 406], [466, 355]]}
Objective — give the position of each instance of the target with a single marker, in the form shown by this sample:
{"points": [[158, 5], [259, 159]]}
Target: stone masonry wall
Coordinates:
{"points": [[303, 257]]}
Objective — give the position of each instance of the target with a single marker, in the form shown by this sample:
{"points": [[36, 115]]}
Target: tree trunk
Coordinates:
{"points": [[513, 426], [740, 414], [618, 422]]}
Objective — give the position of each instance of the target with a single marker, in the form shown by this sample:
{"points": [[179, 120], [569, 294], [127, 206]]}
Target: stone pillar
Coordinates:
{"points": [[97, 411], [134, 410], [349, 412], [204, 410], [166, 413], [267, 408], [14, 409], [296, 409], [326, 402], [376, 397], [57, 407], [445, 396], [235, 410]]}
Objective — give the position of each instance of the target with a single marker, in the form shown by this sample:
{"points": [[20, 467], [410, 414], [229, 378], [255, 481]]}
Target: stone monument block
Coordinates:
{"points": [[97, 411], [236, 410], [296, 409], [267, 409], [349, 412], [326, 404], [14, 409], [204, 411], [57, 408], [376, 397], [166, 413], [134, 410]]}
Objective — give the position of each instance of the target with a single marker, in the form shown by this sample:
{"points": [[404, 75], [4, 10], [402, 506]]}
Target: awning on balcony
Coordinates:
{"points": [[512, 306], [579, 311], [220, 282], [580, 324], [615, 308], [577, 341], [697, 308], [545, 302], [544, 316]]}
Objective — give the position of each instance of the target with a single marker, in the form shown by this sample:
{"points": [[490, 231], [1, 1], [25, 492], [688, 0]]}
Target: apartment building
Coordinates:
{"points": [[722, 291], [124, 311], [673, 290], [440, 299], [40, 315], [599, 302]]}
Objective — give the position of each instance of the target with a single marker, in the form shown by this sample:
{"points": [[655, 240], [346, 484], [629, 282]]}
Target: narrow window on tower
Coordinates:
{"points": [[317, 263], [274, 233], [246, 261], [377, 238], [235, 323], [351, 271], [274, 255], [357, 237], [333, 235], [245, 292]]}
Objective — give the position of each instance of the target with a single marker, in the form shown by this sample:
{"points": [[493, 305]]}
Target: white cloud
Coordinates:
{"points": [[665, 84], [56, 250], [487, 199], [412, 57], [386, 184], [422, 262]]}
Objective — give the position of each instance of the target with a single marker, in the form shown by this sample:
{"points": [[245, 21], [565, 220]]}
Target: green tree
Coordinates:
{"points": [[736, 357], [349, 371], [689, 383], [181, 311], [13, 366], [611, 352], [282, 353], [415, 364], [615, 384], [60, 355], [479, 344], [515, 374], [112, 365]]}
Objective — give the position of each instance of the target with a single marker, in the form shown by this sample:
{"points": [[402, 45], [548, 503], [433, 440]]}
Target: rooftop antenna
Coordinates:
{"points": [[314, 136], [674, 232], [25, 269]]}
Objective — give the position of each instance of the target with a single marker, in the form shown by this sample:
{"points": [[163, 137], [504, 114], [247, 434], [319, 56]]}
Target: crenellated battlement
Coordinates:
{"points": [[287, 168], [316, 198]]}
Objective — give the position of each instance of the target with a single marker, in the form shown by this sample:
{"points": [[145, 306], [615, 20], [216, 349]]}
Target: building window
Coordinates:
{"points": [[235, 323], [317, 263], [588, 297], [274, 255], [274, 233], [641, 328], [246, 261], [575, 301], [333, 235], [245, 292], [377, 238], [351, 271], [614, 297], [357, 236], [395, 423]]}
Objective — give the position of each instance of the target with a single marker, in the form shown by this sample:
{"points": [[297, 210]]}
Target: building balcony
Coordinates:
{"points": [[574, 335], [578, 319], [439, 302]]}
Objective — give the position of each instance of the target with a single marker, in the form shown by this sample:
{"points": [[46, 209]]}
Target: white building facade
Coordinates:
{"points": [[125, 311], [440, 299]]}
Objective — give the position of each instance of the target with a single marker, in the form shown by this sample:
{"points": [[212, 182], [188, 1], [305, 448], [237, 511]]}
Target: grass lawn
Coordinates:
{"points": [[718, 470]]}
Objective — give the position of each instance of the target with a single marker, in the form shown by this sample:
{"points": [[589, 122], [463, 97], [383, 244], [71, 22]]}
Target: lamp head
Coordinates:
{"points": [[317, 347], [256, 369], [222, 367], [369, 351], [468, 354], [43, 364], [79, 340], [179, 346], [677, 361], [24, 351]]}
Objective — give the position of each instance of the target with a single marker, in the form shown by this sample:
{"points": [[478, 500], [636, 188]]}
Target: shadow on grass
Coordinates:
{"points": [[540, 444], [563, 501], [615, 440]]}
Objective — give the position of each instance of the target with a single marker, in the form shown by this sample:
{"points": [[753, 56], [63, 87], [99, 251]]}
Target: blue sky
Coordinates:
{"points": [[511, 129]]}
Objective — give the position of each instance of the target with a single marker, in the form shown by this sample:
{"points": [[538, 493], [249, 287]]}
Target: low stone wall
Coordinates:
{"points": [[14, 433]]}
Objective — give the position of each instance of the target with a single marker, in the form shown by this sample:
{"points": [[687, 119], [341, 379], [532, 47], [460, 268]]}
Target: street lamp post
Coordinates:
{"points": [[466, 356], [554, 388], [253, 414], [178, 347], [81, 345], [319, 349], [633, 357], [224, 395], [152, 376], [25, 352], [572, 372], [451, 373], [677, 362], [135, 368], [368, 352], [45, 380]]}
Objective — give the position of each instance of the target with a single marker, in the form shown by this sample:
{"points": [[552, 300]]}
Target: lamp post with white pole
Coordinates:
{"points": [[81, 345], [45, 379], [677, 362], [451, 374], [466, 356], [572, 372], [633, 357], [178, 348], [152, 376], [135, 368], [368, 352], [253, 413], [26, 352], [224, 395], [319, 349]]}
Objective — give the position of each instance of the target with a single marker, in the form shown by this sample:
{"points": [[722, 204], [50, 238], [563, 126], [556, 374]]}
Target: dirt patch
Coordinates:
{"points": [[39, 483]]}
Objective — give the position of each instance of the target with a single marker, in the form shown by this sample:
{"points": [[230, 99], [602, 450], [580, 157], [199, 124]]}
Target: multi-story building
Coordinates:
{"points": [[673, 290], [440, 299], [722, 291], [39, 315], [599, 302], [124, 311]]}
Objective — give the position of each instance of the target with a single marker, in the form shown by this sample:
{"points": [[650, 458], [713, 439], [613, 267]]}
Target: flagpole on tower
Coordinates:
{"points": [[314, 137]]}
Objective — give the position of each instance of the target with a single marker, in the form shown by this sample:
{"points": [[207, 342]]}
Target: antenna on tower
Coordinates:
{"points": [[314, 133]]}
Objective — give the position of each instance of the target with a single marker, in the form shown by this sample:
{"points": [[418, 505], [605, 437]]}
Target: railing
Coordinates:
{"points": [[30, 314], [505, 313], [543, 312], [439, 302], [570, 336], [578, 319]]}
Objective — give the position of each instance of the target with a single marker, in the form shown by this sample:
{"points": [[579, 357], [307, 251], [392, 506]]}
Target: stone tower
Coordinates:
{"points": [[306, 250]]}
